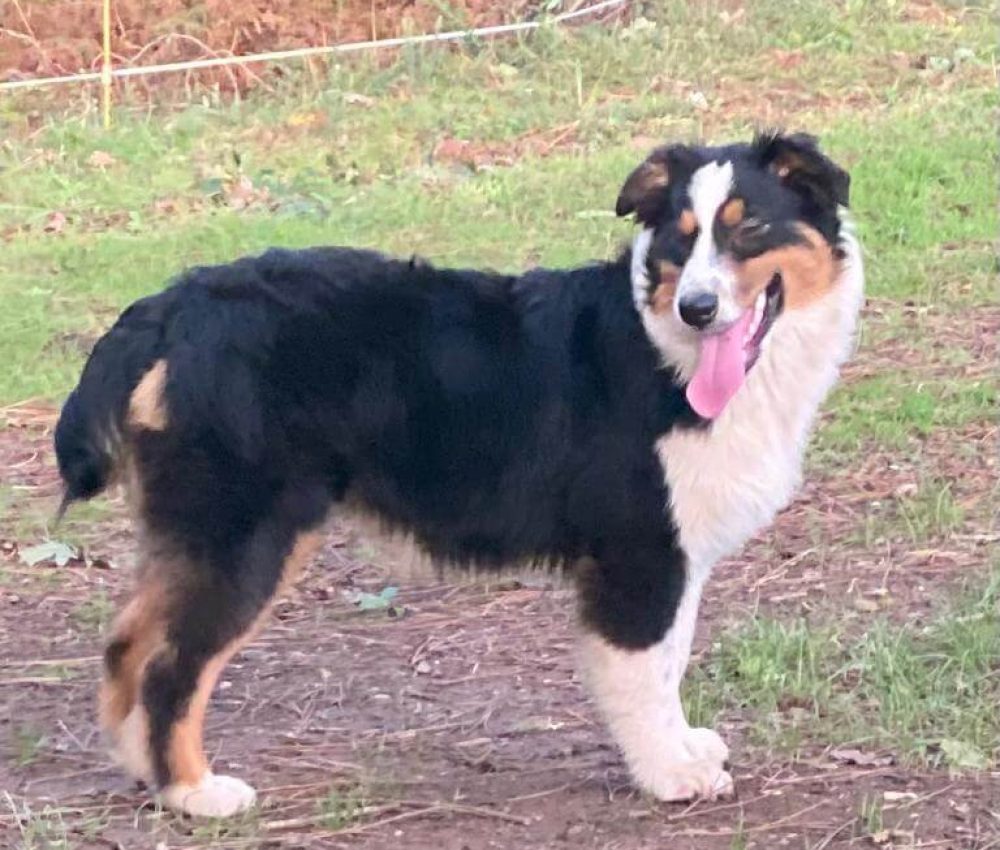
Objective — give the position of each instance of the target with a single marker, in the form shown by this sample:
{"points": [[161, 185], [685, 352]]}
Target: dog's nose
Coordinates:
{"points": [[699, 309]]}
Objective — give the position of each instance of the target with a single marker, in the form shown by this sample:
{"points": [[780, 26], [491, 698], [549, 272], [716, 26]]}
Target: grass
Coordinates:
{"points": [[927, 692], [894, 410], [353, 162], [356, 159], [340, 807], [51, 829], [94, 613], [931, 512], [871, 819], [28, 742]]}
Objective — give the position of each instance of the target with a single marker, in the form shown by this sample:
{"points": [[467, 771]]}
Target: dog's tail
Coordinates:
{"points": [[88, 436]]}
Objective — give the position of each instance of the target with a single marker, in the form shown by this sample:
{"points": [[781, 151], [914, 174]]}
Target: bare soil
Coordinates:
{"points": [[64, 36], [455, 720]]}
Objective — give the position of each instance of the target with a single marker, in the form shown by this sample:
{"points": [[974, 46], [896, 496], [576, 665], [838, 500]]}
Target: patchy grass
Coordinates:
{"points": [[51, 828], [360, 161], [510, 154], [932, 512], [893, 410], [94, 613], [29, 743], [341, 807], [926, 691]]}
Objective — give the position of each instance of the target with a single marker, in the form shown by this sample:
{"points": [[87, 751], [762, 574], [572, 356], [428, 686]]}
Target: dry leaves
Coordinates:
{"points": [[101, 160], [863, 759], [55, 222]]}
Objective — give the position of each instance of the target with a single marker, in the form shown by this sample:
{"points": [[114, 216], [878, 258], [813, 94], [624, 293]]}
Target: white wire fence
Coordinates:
{"points": [[108, 73]]}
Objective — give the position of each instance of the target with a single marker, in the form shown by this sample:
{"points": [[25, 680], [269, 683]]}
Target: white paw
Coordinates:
{"points": [[213, 797], [693, 767], [687, 780], [704, 744]]}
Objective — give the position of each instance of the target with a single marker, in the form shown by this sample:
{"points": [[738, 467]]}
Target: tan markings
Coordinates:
{"points": [[306, 546], [147, 408], [808, 271], [732, 212], [185, 752], [687, 223], [662, 299], [787, 162], [142, 625], [645, 179], [140, 629], [654, 176]]}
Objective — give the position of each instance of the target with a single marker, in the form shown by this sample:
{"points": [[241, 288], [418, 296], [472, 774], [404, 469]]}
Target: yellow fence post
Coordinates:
{"points": [[106, 64]]}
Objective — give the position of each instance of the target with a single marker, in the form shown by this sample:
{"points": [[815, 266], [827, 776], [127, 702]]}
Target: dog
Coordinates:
{"points": [[627, 423]]}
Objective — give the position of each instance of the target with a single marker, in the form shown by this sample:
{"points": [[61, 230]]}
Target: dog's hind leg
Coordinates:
{"points": [[217, 612], [137, 633]]}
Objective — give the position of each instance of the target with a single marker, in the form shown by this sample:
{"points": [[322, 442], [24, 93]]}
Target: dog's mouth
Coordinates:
{"points": [[727, 356]]}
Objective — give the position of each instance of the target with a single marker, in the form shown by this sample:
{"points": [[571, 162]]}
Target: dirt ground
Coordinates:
{"points": [[64, 36], [455, 719]]}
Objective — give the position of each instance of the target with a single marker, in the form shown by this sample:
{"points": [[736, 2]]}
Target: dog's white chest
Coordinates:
{"points": [[728, 483]]}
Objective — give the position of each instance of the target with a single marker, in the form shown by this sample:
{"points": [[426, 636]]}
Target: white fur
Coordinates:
{"points": [[638, 694], [706, 269], [729, 481], [677, 342], [212, 797], [130, 749], [726, 483], [708, 189], [640, 278]]}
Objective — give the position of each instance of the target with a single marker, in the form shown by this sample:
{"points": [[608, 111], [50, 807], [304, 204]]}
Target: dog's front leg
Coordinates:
{"points": [[635, 676]]}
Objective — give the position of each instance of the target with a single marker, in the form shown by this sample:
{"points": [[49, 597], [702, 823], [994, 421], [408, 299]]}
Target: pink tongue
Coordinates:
{"points": [[721, 369]]}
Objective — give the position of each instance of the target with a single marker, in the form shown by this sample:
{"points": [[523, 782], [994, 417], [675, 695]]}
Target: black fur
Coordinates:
{"points": [[499, 418], [89, 430], [809, 193]]}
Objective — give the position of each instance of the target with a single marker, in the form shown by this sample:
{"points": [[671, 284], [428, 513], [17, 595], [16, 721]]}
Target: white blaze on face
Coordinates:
{"points": [[722, 356], [706, 270], [676, 341]]}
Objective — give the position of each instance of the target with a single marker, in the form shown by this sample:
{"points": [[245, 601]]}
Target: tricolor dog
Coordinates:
{"points": [[627, 423]]}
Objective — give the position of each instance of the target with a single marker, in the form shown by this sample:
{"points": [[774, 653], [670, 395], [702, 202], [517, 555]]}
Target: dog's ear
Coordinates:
{"points": [[797, 161], [646, 189]]}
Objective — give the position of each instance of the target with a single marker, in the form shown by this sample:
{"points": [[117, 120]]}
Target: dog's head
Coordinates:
{"points": [[736, 240]]}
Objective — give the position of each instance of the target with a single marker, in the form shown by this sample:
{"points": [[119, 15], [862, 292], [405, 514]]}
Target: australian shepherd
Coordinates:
{"points": [[628, 423]]}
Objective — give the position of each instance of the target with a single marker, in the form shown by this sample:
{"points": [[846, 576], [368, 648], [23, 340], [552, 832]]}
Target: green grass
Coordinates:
{"points": [[341, 807], [94, 613], [927, 692], [344, 169], [28, 744], [52, 828], [894, 411]]}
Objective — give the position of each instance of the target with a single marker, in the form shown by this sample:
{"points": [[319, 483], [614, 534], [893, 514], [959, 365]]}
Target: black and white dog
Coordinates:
{"points": [[627, 422]]}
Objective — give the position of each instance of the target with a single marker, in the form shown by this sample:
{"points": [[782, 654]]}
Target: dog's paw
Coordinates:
{"points": [[688, 780], [704, 745], [693, 768], [212, 797]]}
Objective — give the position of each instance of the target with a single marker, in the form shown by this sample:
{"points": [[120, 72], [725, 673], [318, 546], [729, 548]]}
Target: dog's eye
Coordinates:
{"points": [[750, 226], [750, 237], [751, 229]]}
